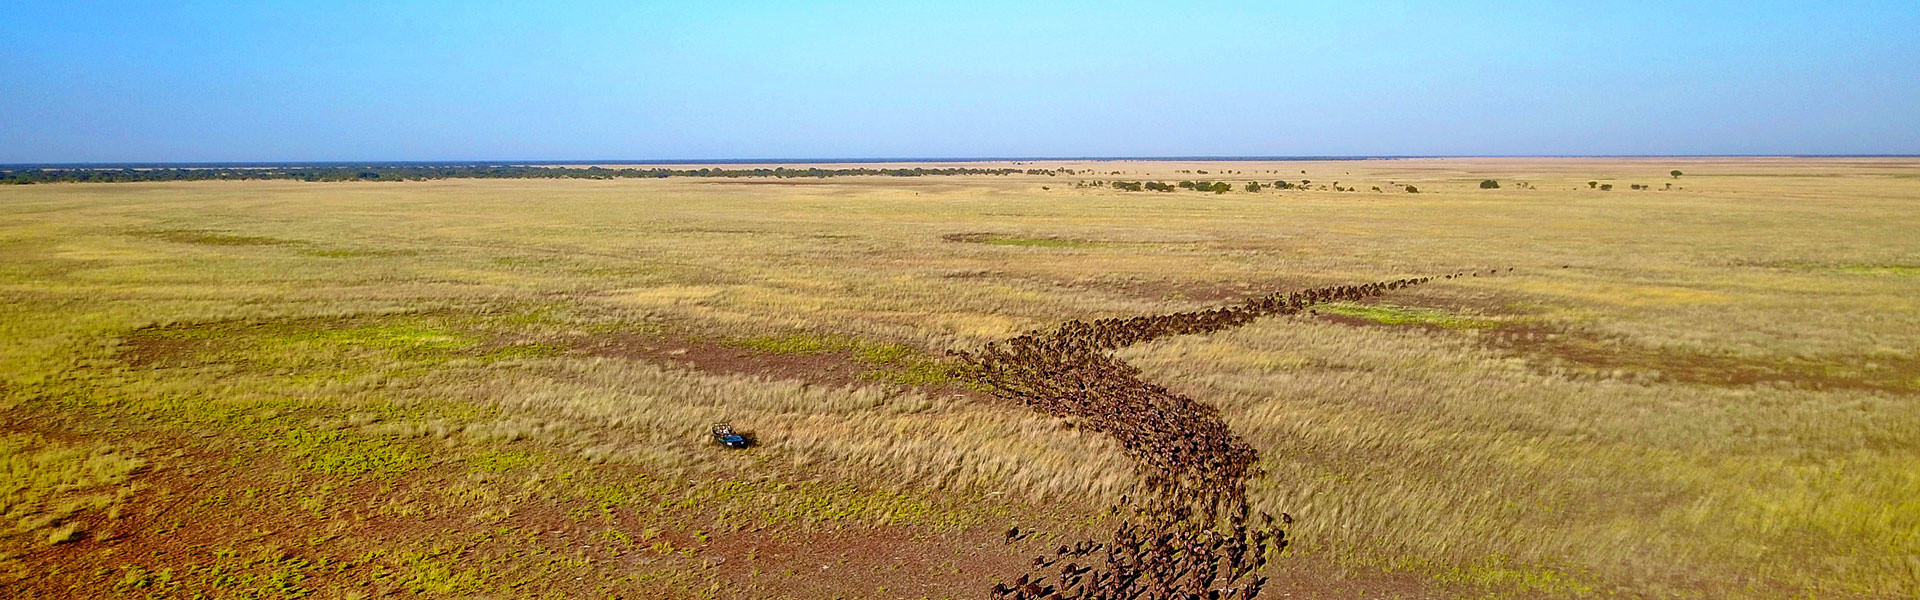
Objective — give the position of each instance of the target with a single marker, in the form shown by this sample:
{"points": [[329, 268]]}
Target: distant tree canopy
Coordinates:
{"points": [[1489, 184], [1136, 186], [1606, 187], [1593, 184], [1675, 173], [424, 172], [1253, 186], [1413, 190], [1217, 187]]}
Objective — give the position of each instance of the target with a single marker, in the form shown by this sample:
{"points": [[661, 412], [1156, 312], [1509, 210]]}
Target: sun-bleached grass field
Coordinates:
{"points": [[281, 388]]}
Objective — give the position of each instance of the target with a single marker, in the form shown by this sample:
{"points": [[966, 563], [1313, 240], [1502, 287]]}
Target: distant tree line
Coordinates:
{"points": [[1218, 187], [425, 172]]}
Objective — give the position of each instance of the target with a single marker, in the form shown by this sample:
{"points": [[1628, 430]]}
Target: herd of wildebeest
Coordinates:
{"points": [[1191, 535]]}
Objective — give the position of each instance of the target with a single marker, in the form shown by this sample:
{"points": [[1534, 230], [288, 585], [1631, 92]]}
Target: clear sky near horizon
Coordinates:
{"points": [[462, 80]]}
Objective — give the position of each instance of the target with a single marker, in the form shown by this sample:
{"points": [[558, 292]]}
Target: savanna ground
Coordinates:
{"points": [[501, 388]]}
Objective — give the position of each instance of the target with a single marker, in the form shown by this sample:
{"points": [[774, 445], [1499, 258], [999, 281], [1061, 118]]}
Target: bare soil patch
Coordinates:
{"points": [[1605, 356], [833, 368]]}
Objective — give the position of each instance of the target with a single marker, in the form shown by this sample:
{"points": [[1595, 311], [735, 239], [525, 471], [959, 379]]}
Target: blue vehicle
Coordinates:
{"points": [[723, 434]]}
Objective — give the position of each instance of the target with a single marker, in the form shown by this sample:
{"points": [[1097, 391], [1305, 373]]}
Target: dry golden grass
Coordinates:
{"points": [[1703, 391]]}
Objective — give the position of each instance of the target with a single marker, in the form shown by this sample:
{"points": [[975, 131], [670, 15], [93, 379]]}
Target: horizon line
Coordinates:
{"points": [[873, 160]]}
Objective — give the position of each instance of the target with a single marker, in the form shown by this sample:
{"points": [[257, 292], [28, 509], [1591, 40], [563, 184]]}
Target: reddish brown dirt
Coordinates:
{"points": [[834, 368], [864, 563], [1603, 355], [1600, 357], [685, 351], [147, 351], [153, 347]]}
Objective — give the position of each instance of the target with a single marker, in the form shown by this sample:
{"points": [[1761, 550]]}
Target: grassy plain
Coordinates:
{"points": [[267, 389]]}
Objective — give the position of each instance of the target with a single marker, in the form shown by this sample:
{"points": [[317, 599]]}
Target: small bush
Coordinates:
{"points": [[1489, 184], [1413, 190]]}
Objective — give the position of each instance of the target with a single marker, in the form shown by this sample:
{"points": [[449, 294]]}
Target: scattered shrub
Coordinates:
{"points": [[1489, 184]]}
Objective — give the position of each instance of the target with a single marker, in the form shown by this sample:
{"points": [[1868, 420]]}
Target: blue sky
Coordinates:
{"points": [[279, 81]]}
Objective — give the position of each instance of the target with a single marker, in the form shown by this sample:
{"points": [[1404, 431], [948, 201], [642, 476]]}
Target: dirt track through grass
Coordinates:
{"points": [[1187, 454]]}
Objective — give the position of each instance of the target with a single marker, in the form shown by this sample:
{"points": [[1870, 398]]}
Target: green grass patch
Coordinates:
{"points": [[916, 371], [353, 252], [349, 455], [1902, 270], [497, 461], [1387, 314], [796, 343], [1497, 572], [998, 239], [326, 348], [522, 351], [813, 343], [1038, 242], [403, 339]]}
